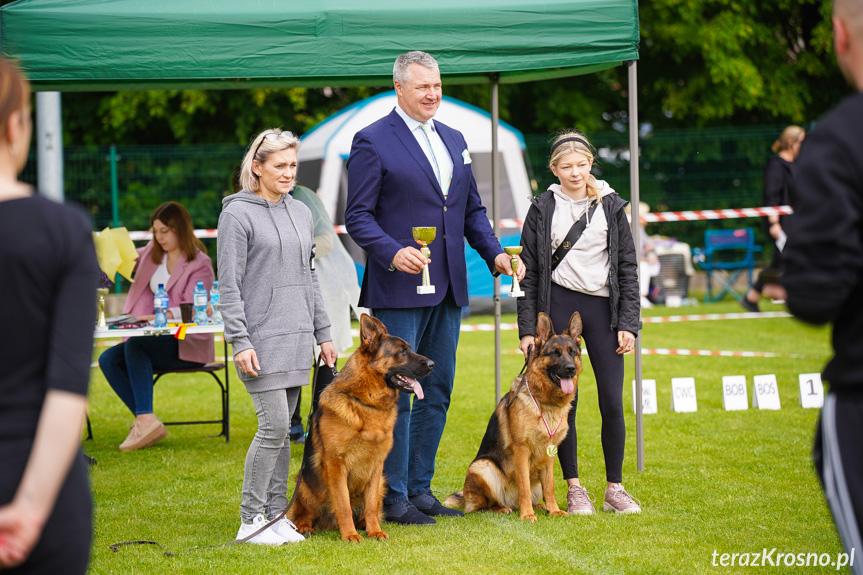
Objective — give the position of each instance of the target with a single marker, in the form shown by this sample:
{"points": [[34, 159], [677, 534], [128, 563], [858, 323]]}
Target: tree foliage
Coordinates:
{"points": [[706, 62]]}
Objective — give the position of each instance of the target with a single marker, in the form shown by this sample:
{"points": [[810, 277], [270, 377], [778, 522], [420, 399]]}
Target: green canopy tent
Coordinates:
{"points": [[94, 45], [89, 45]]}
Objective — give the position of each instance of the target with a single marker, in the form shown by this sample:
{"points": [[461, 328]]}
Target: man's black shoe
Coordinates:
{"points": [[405, 513], [749, 305], [429, 505]]}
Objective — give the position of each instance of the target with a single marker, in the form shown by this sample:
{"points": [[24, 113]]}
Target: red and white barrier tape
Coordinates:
{"points": [[514, 326], [717, 214], [511, 224], [715, 316], [148, 235], [665, 319], [517, 224], [703, 353]]}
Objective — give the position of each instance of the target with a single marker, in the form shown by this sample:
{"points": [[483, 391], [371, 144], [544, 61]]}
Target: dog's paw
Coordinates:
{"points": [[379, 535], [529, 517], [502, 509], [305, 529], [557, 513], [352, 537]]}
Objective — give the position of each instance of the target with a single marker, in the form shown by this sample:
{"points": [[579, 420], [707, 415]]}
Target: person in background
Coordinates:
{"points": [[778, 183], [648, 263], [340, 289], [596, 277], [177, 259], [823, 276], [49, 292], [274, 312], [406, 170]]}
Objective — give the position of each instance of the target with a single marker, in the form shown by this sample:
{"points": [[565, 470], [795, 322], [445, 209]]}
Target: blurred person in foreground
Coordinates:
{"points": [[178, 260], [49, 307], [778, 183], [823, 275]]}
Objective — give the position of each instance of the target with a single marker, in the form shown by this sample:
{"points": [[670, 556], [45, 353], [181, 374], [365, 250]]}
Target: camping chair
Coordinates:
{"points": [[726, 255]]}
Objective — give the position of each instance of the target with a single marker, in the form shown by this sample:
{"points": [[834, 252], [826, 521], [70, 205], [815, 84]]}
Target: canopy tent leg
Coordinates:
{"points": [[49, 145], [495, 216], [632, 96]]}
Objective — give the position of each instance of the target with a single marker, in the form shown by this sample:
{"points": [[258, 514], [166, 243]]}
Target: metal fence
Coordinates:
{"points": [[680, 170]]}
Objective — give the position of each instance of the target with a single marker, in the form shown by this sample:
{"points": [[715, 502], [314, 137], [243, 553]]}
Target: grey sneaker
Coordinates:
{"points": [[619, 501], [579, 501]]}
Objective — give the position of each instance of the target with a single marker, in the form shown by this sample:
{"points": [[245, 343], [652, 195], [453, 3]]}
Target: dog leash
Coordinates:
{"points": [[522, 378], [115, 547]]}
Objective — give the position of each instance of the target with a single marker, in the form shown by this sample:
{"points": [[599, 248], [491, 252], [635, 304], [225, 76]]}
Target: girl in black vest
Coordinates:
{"points": [[597, 277]]}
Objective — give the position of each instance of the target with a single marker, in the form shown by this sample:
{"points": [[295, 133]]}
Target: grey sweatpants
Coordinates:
{"points": [[265, 480]]}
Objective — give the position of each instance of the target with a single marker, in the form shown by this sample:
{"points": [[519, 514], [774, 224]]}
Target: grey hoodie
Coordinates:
{"points": [[270, 297]]}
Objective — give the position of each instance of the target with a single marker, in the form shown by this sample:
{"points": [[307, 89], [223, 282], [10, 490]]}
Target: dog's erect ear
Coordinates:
{"points": [[573, 330], [371, 330], [544, 329]]}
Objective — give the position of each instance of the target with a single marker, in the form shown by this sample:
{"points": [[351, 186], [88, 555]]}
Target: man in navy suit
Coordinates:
{"points": [[407, 170]]}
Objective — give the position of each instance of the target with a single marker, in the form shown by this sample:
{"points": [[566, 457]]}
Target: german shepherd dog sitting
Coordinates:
{"points": [[515, 463], [351, 434]]}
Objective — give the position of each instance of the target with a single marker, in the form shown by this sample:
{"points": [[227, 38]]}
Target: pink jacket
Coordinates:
{"points": [[181, 287]]}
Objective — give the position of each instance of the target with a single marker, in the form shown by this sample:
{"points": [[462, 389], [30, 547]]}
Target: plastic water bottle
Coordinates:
{"points": [[216, 319], [161, 303], [200, 297]]}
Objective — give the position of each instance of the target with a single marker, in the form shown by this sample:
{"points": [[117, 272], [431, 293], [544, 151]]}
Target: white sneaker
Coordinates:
{"points": [[288, 531], [268, 536]]}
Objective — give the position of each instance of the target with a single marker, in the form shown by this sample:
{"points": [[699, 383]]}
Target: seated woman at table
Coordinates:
{"points": [[177, 259]]}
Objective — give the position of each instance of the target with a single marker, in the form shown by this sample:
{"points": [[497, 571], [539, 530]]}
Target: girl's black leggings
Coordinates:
{"points": [[601, 344]]}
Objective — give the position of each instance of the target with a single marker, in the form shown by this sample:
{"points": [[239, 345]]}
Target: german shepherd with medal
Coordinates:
{"points": [[351, 433], [515, 463]]}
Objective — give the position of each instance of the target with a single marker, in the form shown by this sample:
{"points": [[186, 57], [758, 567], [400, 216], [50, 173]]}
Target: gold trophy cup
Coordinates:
{"points": [[100, 321], [515, 290], [425, 236]]}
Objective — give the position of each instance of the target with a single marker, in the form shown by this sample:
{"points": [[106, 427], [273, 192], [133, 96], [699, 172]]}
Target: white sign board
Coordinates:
{"points": [[683, 394], [765, 392], [811, 390], [734, 397], [648, 396]]}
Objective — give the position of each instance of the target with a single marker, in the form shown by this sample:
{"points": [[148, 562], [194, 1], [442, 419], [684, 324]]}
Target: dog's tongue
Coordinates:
{"points": [[417, 389], [567, 385]]}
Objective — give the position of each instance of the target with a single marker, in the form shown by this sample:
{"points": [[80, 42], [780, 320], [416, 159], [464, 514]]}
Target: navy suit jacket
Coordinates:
{"points": [[392, 188]]}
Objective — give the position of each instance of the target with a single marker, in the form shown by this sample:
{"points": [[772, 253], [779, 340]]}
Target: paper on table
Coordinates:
{"points": [[127, 251], [115, 252], [107, 253]]}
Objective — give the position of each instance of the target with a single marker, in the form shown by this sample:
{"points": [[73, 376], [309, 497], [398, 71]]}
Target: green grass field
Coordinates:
{"points": [[715, 481]]}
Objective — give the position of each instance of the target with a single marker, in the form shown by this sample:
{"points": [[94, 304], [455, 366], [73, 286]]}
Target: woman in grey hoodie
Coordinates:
{"points": [[272, 306]]}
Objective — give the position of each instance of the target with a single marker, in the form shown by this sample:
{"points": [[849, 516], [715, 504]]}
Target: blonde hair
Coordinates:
{"points": [[260, 149], [789, 136], [574, 141]]}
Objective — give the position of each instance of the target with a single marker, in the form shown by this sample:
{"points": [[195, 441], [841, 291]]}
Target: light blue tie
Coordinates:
{"points": [[444, 172]]}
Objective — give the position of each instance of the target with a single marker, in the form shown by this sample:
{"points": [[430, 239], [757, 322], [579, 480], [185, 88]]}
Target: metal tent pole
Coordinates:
{"points": [[495, 216], [49, 145], [632, 96]]}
